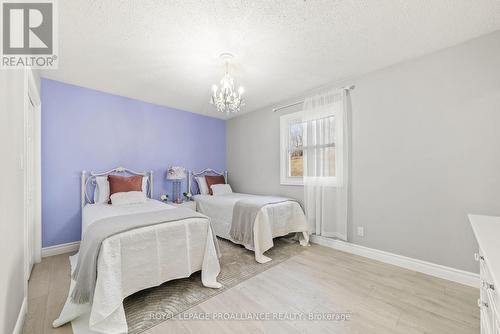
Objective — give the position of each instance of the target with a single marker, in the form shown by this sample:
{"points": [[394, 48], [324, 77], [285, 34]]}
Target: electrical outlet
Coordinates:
{"points": [[361, 231]]}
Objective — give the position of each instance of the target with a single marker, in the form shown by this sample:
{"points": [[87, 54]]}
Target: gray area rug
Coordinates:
{"points": [[149, 307]]}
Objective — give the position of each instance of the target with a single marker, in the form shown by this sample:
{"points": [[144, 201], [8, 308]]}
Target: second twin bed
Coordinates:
{"points": [[250, 220]]}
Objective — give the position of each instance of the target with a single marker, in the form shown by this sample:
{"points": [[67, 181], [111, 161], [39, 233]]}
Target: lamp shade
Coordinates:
{"points": [[176, 173]]}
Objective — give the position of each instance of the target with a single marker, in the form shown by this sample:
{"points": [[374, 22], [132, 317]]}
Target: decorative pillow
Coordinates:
{"points": [[221, 189], [120, 184], [129, 197], [211, 180], [202, 185]]}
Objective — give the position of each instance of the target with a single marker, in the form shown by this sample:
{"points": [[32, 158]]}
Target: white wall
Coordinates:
{"points": [[426, 151], [12, 240], [253, 154]]}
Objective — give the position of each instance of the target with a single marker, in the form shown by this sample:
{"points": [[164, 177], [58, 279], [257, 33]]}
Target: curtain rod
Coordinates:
{"points": [[302, 101]]}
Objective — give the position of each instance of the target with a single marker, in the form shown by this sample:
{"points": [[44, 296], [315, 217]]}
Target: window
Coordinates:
{"points": [[292, 151], [313, 140]]}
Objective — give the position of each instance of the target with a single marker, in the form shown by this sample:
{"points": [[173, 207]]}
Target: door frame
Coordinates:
{"points": [[32, 251]]}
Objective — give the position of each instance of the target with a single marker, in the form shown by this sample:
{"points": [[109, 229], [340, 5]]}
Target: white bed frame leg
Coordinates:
{"points": [[151, 184], [303, 239], [83, 185]]}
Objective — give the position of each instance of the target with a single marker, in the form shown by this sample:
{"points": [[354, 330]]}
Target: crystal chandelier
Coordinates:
{"points": [[225, 98]]}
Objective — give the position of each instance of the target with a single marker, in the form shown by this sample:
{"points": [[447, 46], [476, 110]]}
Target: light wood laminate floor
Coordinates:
{"points": [[380, 298]]}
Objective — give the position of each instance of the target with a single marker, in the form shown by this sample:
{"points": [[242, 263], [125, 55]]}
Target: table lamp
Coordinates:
{"points": [[176, 174]]}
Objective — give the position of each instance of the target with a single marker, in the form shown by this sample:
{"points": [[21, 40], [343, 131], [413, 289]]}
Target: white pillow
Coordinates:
{"points": [[221, 189], [202, 185], [101, 191], [129, 197], [145, 185]]}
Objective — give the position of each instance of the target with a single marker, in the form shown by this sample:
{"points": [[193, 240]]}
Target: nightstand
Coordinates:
{"points": [[187, 204]]}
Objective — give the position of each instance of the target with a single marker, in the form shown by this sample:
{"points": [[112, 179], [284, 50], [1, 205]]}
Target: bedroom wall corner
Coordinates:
{"points": [[85, 129], [253, 151]]}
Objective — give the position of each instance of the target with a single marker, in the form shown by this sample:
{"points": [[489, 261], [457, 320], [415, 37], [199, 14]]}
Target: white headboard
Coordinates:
{"points": [[89, 179], [205, 172]]}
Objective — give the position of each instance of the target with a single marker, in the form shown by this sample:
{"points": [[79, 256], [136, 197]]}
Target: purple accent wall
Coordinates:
{"points": [[84, 129]]}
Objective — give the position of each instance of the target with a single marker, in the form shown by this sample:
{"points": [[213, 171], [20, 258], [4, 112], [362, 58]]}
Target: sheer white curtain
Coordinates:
{"points": [[326, 163]]}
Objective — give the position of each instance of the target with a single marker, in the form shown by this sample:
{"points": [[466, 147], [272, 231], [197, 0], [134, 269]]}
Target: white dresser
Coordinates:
{"points": [[487, 232]]}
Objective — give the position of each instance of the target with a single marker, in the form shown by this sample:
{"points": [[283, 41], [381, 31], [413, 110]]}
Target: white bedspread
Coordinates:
{"points": [[138, 259], [273, 220]]}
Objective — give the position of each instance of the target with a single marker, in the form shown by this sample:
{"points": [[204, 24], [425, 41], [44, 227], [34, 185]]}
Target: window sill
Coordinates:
{"points": [[292, 182]]}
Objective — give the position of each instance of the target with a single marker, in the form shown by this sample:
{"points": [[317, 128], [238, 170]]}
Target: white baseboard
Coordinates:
{"points": [[429, 268], [60, 249], [18, 328], [334, 235]]}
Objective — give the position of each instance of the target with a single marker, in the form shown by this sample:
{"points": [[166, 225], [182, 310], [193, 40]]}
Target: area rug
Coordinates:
{"points": [[147, 308]]}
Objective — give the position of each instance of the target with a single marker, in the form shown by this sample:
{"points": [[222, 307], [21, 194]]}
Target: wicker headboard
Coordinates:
{"points": [[193, 186], [88, 181]]}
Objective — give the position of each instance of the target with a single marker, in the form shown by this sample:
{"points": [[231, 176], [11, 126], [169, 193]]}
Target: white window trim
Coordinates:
{"points": [[284, 178]]}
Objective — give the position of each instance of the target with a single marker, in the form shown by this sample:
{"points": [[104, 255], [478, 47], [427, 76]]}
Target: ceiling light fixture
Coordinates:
{"points": [[225, 98]]}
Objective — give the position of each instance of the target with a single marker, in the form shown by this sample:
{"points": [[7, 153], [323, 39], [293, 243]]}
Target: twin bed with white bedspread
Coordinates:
{"points": [[273, 220], [138, 259]]}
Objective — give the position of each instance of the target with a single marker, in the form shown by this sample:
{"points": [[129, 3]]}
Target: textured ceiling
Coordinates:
{"points": [[166, 52]]}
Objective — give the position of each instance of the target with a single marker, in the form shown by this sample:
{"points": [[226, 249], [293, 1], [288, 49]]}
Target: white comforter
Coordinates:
{"points": [[138, 259], [273, 220]]}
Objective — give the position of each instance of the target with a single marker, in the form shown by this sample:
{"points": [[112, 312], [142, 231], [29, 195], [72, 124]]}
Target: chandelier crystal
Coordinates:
{"points": [[224, 97]]}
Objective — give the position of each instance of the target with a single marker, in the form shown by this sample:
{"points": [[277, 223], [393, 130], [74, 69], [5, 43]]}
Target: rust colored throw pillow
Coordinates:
{"points": [[218, 179], [120, 184]]}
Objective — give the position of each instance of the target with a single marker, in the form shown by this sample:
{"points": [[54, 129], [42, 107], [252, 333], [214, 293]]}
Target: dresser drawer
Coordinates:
{"points": [[492, 301], [487, 317], [488, 288], [489, 301], [487, 232]]}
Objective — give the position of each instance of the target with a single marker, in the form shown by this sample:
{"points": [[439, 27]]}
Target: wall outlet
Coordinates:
{"points": [[361, 231]]}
